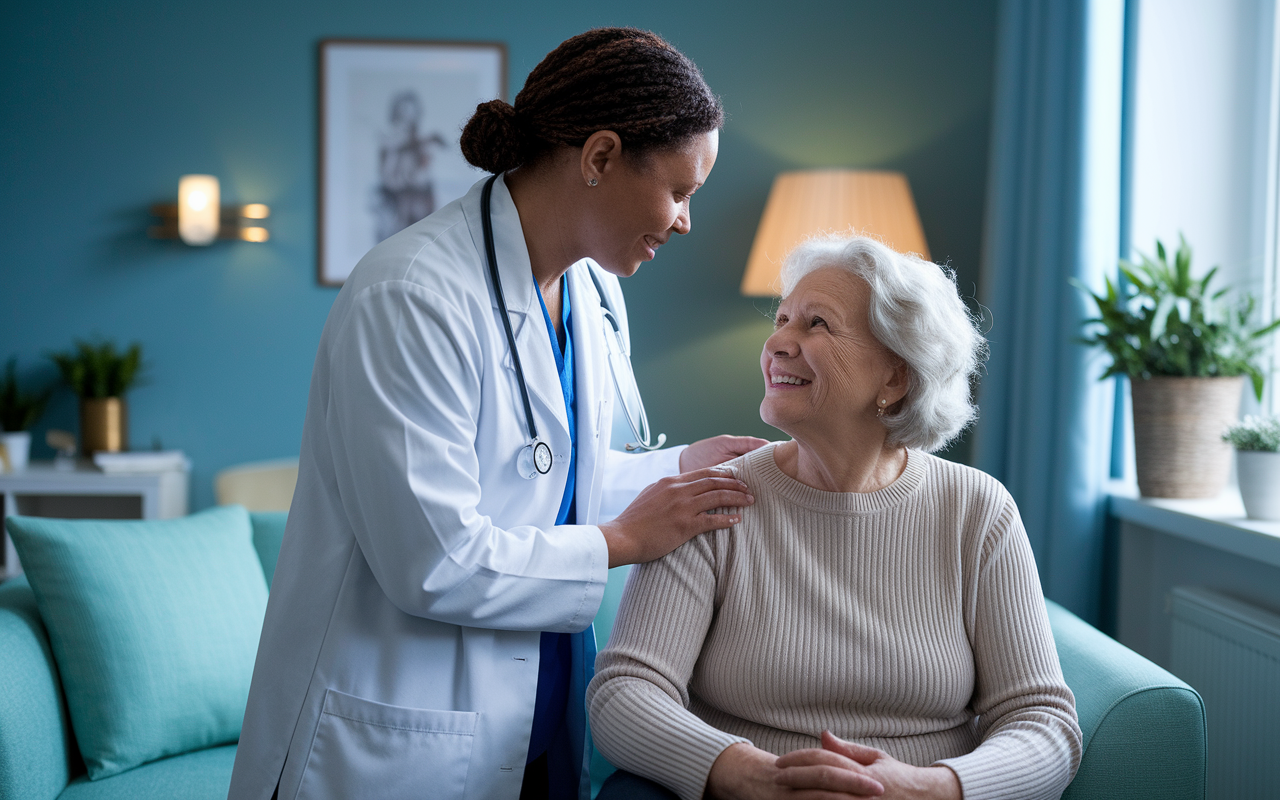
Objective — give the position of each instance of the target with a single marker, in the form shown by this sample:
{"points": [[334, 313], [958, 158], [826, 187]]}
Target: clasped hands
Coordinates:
{"points": [[838, 770]]}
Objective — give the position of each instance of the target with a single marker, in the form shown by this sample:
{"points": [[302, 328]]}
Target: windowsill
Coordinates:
{"points": [[1218, 522]]}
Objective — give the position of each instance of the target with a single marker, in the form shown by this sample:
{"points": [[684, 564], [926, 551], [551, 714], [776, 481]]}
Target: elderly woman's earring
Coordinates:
{"points": [[880, 410], [592, 182]]}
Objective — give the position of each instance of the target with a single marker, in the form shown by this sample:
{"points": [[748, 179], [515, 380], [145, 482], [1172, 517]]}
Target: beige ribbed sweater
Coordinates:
{"points": [[909, 619]]}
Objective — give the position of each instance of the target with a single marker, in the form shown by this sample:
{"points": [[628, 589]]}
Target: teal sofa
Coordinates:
{"points": [[38, 755], [1144, 730]]}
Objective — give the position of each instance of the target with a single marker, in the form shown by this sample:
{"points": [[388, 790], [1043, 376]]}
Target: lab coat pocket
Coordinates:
{"points": [[372, 750]]}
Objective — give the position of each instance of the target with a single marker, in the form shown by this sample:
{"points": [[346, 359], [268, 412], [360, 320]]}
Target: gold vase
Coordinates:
{"points": [[104, 425]]}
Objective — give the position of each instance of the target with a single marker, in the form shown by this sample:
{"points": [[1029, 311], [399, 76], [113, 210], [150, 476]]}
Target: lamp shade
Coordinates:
{"points": [[198, 209], [810, 202]]}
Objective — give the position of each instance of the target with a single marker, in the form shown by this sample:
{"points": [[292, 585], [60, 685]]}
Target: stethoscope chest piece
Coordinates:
{"points": [[534, 460]]}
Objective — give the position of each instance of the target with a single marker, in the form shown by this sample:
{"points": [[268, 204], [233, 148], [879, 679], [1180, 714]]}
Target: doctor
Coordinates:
{"points": [[428, 633]]}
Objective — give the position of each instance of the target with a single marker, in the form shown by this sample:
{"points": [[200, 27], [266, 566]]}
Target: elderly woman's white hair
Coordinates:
{"points": [[917, 313]]}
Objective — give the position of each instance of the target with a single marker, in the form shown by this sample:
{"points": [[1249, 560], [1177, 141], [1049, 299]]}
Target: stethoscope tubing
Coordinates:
{"points": [[535, 458], [491, 253]]}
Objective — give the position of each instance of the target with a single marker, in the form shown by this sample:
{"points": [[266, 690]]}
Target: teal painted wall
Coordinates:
{"points": [[105, 105]]}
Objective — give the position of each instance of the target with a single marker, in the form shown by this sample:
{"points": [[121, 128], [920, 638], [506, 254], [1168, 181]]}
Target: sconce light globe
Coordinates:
{"points": [[198, 209]]}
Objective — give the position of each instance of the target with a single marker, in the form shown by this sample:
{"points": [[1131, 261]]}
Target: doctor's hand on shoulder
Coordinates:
{"points": [[670, 512], [675, 509]]}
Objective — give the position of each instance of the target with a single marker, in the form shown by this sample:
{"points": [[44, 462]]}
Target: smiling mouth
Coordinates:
{"points": [[788, 380]]}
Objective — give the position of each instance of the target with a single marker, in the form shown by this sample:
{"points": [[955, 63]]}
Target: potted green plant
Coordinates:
{"points": [[99, 374], [1257, 440], [1186, 352], [18, 412]]}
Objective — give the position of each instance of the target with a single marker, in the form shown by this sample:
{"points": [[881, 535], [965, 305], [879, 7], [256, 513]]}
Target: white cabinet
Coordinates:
{"points": [[88, 493]]}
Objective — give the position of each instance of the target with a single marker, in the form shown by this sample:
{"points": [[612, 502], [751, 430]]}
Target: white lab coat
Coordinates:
{"points": [[399, 657]]}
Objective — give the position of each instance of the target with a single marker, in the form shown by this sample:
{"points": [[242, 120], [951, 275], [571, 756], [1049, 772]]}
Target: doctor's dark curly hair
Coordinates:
{"points": [[625, 80]]}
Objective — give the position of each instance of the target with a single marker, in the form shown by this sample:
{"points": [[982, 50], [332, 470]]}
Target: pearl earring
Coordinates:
{"points": [[880, 410]]}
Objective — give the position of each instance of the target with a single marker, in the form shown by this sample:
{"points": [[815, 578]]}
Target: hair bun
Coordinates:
{"points": [[493, 138]]}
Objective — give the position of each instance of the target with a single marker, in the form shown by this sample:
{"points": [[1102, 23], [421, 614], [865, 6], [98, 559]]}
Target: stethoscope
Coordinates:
{"points": [[535, 458]]}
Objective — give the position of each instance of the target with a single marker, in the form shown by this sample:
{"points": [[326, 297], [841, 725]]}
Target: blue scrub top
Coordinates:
{"points": [[556, 665]]}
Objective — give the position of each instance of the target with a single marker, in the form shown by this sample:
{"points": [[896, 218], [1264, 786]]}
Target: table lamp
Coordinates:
{"points": [[805, 203]]}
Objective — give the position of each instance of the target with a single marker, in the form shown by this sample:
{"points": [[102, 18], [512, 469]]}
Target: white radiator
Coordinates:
{"points": [[1229, 651]]}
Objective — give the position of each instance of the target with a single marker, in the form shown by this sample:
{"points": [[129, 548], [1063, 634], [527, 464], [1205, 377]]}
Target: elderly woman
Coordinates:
{"points": [[873, 625]]}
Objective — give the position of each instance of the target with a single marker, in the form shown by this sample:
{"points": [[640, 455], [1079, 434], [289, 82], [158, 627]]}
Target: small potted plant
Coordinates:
{"points": [[1186, 352], [99, 374], [1257, 440], [18, 412]]}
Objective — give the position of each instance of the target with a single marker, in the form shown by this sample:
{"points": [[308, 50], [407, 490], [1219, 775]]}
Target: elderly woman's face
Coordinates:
{"points": [[824, 371]]}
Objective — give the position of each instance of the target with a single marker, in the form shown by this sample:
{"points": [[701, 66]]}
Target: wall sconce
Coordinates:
{"points": [[198, 218], [802, 204]]}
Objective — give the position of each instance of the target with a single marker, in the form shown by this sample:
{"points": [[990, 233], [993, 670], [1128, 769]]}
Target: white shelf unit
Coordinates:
{"points": [[86, 492]]}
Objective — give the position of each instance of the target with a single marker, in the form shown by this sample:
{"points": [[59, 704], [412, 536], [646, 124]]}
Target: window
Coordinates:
{"points": [[1204, 127]]}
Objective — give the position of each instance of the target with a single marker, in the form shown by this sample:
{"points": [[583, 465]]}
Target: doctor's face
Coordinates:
{"points": [[645, 200]]}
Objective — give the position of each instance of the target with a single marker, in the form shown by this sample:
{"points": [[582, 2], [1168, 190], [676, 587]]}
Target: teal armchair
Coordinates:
{"points": [[1144, 730]]}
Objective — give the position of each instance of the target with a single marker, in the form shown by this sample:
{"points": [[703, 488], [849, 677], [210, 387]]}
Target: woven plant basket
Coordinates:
{"points": [[1177, 432]]}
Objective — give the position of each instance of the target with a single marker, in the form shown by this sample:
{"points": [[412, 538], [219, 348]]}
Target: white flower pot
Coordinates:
{"points": [[1259, 474], [18, 446]]}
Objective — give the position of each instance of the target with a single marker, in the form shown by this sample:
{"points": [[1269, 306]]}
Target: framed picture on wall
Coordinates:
{"points": [[391, 113]]}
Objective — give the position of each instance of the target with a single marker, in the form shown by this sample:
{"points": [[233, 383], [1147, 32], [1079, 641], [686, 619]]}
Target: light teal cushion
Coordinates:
{"points": [[154, 626], [202, 775]]}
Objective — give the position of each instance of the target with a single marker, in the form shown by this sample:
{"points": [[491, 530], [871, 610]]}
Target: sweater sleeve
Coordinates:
{"points": [[639, 699], [1031, 740]]}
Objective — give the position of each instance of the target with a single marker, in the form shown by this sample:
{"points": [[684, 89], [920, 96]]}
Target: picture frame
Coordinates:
{"points": [[390, 116]]}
